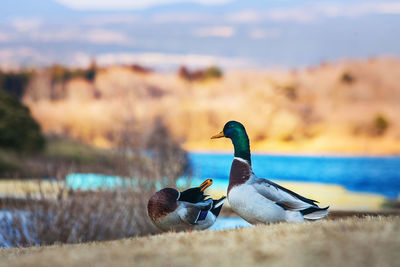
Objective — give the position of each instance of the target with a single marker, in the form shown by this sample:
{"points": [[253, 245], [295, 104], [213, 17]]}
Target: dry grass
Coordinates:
{"points": [[75, 217], [313, 110], [43, 213], [349, 242]]}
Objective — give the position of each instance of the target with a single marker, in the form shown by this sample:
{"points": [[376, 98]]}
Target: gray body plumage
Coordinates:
{"points": [[259, 200]]}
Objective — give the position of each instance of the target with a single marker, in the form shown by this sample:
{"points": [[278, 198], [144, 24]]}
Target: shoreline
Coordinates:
{"points": [[333, 214], [298, 153]]}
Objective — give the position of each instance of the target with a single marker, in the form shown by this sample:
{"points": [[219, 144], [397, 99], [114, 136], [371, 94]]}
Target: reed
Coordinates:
{"points": [[50, 212], [76, 216]]}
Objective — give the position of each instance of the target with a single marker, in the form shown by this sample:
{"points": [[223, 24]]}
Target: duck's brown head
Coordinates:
{"points": [[162, 203]]}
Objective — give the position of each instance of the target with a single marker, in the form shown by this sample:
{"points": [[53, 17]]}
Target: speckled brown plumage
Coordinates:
{"points": [[162, 203], [240, 173]]}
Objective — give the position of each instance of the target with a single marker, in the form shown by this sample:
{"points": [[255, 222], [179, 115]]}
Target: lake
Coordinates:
{"points": [[224, 223], [361, 174], [380, 175]]}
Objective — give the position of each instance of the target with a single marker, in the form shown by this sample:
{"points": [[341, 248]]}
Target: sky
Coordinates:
{"points": [[165, 34], [129, 4]]}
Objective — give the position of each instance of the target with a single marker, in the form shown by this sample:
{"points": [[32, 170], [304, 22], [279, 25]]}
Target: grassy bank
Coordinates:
{"points": [[349, 242], [59, 153]]}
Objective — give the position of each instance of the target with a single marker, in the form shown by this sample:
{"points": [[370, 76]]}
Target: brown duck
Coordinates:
{"points": [[171, 210]]}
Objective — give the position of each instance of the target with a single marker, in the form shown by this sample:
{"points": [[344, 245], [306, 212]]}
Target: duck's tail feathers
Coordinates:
{"points": [[314, 213], [217, 206]]}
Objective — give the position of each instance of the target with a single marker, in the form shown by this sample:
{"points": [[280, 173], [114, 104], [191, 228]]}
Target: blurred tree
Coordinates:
{"points": [[90, 73], [172, 160], [14, 83], [184, 73], [212, 72], [380, 125], [18, 130], [61, 74], [347, 78]]}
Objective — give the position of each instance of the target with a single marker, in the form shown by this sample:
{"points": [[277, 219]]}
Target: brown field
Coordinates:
{"points": [[340, 107], [368, 241]]}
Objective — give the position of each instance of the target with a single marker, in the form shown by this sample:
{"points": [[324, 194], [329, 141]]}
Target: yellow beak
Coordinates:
{"points": [[205, 185], [219, 135]]}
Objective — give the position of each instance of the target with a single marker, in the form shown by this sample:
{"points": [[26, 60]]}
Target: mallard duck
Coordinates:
{"points": [[259, 200], [171, 210]]}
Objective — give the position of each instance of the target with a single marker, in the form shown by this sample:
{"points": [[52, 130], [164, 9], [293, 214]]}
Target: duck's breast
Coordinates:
{"points": [[171, 222], [208, 221], [253, 207]]}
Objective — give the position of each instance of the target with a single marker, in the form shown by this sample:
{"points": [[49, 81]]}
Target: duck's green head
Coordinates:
{"points": [[232, 130], [237, 133]]}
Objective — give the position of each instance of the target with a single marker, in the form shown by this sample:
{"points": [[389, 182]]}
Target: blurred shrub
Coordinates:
{"points": [[380, 125], [75, 216], [18, 130], [212, 72], [153, 156], [377, 127], [151, 153], [8, 163], [61, 74], [392, 204], [185, 74], [61, 155], [140, 69], [64, 148], [288, 138], [171, 160], [154, 159], [290, 92], [14, 83], [347, 78]]}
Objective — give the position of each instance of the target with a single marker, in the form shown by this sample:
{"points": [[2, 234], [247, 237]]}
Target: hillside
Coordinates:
{"points": [[340, 107], [349, 242]]}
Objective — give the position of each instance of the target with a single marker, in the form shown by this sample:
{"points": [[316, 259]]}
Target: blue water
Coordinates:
{"points": [[362, 174], [224, 223]]}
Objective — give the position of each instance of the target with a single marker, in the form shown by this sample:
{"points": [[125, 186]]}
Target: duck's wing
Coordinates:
{"points": [[283, 197], [217, 205], [192, 212]]}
